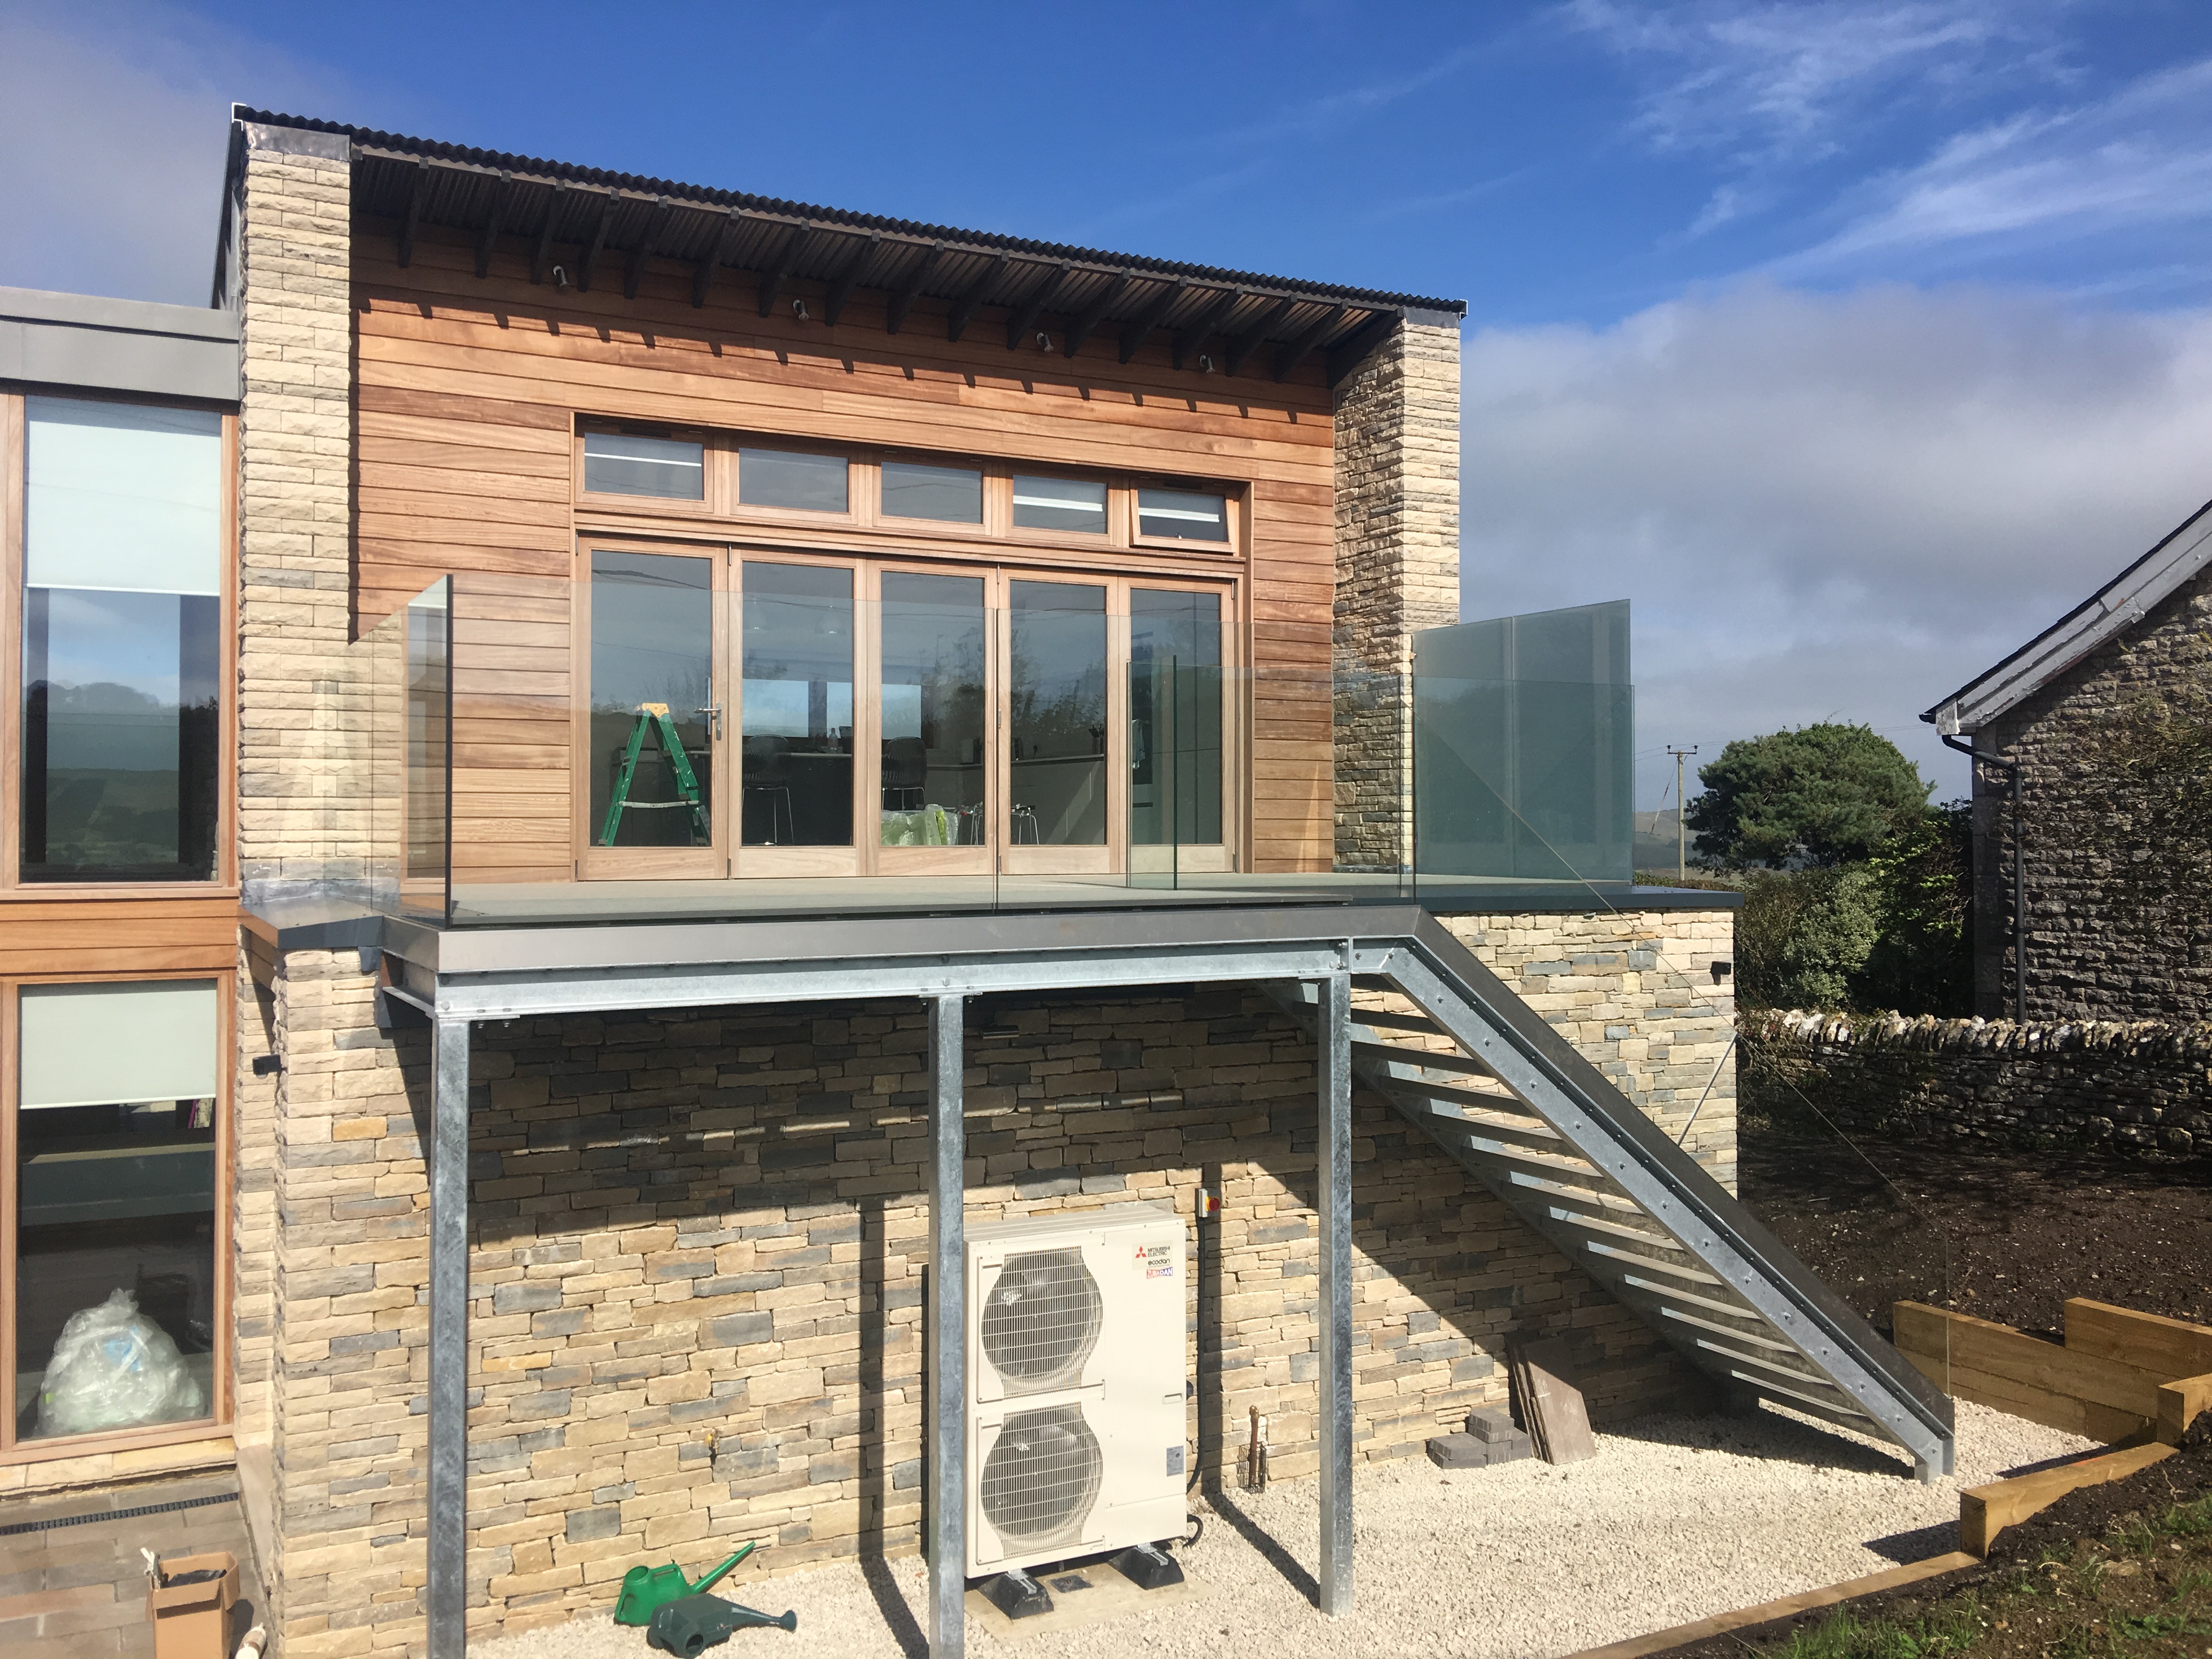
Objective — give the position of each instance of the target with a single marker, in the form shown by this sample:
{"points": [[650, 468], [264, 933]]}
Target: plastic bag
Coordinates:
{"points": [[114, 1368]]}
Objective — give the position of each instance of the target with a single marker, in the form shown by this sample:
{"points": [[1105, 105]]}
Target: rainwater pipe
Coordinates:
{"points": [[2011, 769]]}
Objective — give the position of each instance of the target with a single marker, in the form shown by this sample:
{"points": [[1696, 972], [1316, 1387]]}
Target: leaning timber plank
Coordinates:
{"points": [[1555, 1403], [2179, 1403], [1980, 1345], [2150, 1342], [1986, 1511], [1640, 1647]]}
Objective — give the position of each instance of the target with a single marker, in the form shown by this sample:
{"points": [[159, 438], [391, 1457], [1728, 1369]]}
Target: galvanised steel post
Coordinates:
{"points": [[947, 1379], [1333, 1004], [449, 1340]]}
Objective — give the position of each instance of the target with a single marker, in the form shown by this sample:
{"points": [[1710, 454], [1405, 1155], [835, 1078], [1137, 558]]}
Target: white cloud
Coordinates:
{"points": [[112, 119], [1770, 79], [2141, 158], [1827, 507]]}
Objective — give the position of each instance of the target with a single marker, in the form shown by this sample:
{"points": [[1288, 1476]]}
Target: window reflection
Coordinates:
{"points": [[791, 478], [652, 679], [624, 464], [934, 710], [797, 765], [1058, 690], [950, 494], [1175, 717], [122, 619], [1059, 504]]}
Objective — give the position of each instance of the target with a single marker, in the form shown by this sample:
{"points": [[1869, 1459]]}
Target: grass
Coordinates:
{"points": [[2143, 1591]]}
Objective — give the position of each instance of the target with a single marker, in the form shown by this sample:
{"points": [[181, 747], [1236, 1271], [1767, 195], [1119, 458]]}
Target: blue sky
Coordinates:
{"points": [[1853, 342]]}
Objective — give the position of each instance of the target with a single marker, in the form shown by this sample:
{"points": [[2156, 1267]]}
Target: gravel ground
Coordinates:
{"points": [[1676, 1519]]}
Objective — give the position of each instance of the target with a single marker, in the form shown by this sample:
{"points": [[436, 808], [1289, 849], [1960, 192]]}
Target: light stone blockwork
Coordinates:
{"points": [[1397, 571], [697, 1239]]}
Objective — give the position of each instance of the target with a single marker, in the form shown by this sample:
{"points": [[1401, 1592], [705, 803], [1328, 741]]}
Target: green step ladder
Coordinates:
{"points": [[654, 716]]}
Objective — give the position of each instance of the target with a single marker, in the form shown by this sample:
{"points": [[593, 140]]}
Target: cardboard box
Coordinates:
{"points": [[192, 1621]]}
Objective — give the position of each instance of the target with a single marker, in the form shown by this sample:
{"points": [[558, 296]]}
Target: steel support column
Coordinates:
{"points": [[1333, 1004], [947, 1374], [449, 1340]]}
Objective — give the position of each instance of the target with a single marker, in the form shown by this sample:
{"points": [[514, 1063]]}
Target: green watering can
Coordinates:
{"points": [[646, 1590], [689, 1627]]}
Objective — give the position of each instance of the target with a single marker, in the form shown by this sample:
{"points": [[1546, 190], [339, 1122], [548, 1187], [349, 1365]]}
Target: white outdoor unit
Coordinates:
{"points": [[1076, 1408]]}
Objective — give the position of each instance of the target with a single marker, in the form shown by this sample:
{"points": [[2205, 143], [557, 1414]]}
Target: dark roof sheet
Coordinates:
{"points": [[427, 181]]}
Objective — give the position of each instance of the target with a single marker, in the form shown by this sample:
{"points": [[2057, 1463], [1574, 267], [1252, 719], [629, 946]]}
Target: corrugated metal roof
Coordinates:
{"points": [[604, 225]]}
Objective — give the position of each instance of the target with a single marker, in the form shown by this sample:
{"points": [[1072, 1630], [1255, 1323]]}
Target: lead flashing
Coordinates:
{"points": [[81, 341]]}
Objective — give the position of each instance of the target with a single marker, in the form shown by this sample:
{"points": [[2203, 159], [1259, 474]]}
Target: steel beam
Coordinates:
{"points": [[524, 996], [449, 1339], [1333, 1004], [947, 1383]]}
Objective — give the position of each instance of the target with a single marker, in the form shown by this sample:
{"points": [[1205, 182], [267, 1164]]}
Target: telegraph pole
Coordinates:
{"points": [[1681, 823]]}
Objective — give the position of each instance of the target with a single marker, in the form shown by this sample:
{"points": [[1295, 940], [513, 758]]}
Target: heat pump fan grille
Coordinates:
{"points": [[1040, 1319], [1042, 1476]]}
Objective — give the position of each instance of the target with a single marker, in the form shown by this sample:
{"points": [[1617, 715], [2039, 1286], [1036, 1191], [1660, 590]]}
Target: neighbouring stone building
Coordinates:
{"points": [[732, 740], [2091, 856]]}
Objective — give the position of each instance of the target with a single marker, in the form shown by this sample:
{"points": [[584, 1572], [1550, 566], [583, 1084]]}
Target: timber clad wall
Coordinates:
{"points": [[712, 1219], [469, 389]]}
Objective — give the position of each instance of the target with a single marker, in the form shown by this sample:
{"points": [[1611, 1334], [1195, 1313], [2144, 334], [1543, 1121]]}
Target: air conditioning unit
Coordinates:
{"points": [[1075, 1385]]}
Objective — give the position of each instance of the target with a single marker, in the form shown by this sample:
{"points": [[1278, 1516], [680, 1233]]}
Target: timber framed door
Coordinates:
{"points": [[933, 771], [1184, 723], [1064, 711], [803, 730], [650, 652]]}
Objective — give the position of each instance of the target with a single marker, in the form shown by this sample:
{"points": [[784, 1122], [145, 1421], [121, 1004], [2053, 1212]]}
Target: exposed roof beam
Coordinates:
{"points": [[772, 279], [703, 277], [1024, 316], [542, 260], [634, 272], [963, 310], [1347, 355], [597, 243], [1134, 331], [1308, 338], [414, 200], [1246, 343], [1079, 327], [488, 239], [903, 297], [847, 279], [1195, 333]]}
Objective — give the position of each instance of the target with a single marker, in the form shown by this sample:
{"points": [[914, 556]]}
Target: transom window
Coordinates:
{"points": [[1076, 504], [625, 464]]}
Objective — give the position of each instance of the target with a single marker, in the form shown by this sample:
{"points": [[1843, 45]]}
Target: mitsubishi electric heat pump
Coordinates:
{"points": [[1075, 1385]]}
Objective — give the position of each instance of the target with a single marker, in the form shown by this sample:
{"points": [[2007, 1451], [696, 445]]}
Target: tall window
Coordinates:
{"points": [[798, 699], [115, 1325], [121, 617], [1175, 717]]}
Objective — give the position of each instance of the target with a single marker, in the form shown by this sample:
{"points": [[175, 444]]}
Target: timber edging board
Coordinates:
{"points": [[1639, 1647], [1986, 1511]]}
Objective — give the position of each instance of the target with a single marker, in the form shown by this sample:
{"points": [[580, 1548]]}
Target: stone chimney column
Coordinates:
{"points": [[1397, 570]]}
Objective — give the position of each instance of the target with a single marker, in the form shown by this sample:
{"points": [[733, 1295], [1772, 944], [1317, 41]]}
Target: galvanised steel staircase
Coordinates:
{"points": [[1445, 1041]]}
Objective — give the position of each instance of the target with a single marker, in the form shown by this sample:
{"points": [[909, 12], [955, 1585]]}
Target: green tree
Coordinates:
{"points": [[1803, 936], [1819, 795], [1922, 963]]}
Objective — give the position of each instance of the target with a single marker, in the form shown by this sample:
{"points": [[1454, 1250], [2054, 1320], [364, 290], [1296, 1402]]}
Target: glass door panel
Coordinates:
{"points": [[653, 725], [1058, 724], [934, 756], [1175, 731], [796, 739]]}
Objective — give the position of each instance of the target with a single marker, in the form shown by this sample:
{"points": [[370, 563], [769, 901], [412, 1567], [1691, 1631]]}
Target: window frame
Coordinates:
{"points": [[15, 428], [1232, 508], [221, 1286]]}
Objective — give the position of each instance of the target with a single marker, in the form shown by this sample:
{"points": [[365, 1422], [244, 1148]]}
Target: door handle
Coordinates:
{"points": [[714, 710]]}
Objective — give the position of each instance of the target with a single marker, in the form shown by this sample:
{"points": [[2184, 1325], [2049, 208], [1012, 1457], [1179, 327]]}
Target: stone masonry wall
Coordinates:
{"points": [[2095, 949], [2142, 1086], [1397, 569], [697, 1239]]}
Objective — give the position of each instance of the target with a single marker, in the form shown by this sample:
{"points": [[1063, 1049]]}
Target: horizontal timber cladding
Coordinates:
{"points": [[467, 393], [117, 937]]}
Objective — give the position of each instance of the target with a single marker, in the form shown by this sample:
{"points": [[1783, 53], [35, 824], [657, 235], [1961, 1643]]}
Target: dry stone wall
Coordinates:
{"points": [[2140, 1086], [697, 1243]]}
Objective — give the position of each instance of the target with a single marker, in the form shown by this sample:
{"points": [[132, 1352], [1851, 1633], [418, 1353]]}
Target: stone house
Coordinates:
{"points": [[747, 737], [2088, 858]]}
